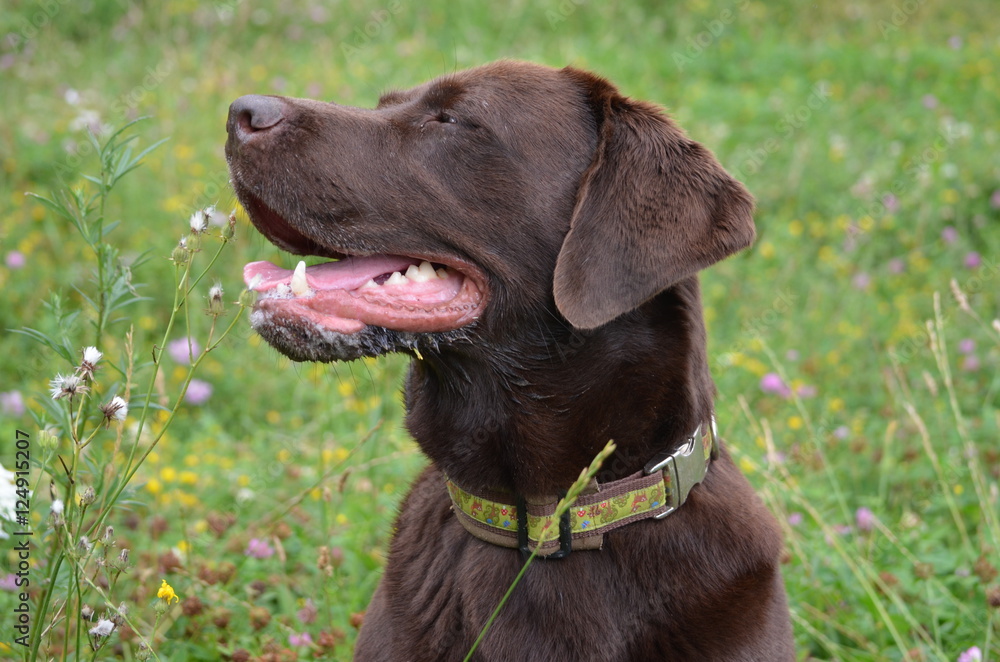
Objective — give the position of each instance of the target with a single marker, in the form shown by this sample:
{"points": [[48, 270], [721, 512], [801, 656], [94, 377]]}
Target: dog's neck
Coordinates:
{"points": [[529, 421]]}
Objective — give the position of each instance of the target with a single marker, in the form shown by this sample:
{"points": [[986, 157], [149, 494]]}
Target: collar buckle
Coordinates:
{"points": [[685, 467]]}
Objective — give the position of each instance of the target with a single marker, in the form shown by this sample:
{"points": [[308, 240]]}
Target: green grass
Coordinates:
{"points": [[822, 109]]}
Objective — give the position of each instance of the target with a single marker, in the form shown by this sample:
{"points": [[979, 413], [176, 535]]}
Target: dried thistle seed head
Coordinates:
{"points": [[229, 231], [198, 221], [115, 409], [103, 628], [87, 613], [215, 305], [118, 617], [89, 496], [182, 253], [109, 536], [66, 386], [87, 367]]}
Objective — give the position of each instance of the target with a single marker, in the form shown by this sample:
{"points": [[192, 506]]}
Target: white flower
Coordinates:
{"points": [[66, 385], [57, 507], [115, 410], [199, 221], [103, 628], [215, 217], [91, 356]]}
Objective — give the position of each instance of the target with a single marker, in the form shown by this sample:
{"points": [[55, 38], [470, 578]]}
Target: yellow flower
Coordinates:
{"points": [[166, 592]]}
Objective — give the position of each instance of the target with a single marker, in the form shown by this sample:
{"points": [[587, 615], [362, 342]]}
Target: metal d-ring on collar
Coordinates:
{"points": [[685, 467]]}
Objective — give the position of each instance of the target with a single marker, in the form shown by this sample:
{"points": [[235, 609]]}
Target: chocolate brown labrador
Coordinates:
{"points": [[532, 238]]}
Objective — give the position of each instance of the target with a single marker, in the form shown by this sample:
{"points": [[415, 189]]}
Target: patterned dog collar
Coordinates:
{"points": [[656, 492]]}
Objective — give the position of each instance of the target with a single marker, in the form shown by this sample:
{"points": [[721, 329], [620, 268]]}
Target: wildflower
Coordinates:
{"points": [[955, 42], [995, 199], [199, 221], [296, 639], [181, 253], [861, 280], [115, 410], [12, 403], [949, 234], [259, 549], [772, 383], [15, 260], [118, 617], [103, 628], [121, 562], [865, 519], [166, 593], [198, 392], [967, 346], [248, 297], [973, 260], [891, 203], [91, 356], [230, 230], [215, 217], [794, 519], [183, 350], [66, 386], [9, 583], [970, 363], [215, 305], [896, 266], [971, 655], [930, 101], [308, 612]]}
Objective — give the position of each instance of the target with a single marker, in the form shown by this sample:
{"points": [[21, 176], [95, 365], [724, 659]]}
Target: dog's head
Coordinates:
{"points": [[495, 201]]}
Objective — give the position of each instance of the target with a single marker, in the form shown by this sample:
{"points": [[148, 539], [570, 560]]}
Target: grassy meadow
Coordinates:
{"points": [[855, 347]]}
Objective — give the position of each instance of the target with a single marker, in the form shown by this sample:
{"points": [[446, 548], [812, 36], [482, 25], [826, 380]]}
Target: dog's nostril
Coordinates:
{"points": [[253, 113]]}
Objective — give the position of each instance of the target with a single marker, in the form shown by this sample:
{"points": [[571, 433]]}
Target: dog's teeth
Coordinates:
{"points": [[299, 285], [370, 284], [427, 270], [396, 279], [420, 274], [442, 274]]}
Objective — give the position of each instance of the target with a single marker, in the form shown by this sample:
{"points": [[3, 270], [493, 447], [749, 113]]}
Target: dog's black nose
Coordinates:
{"points": [[253, 114]]}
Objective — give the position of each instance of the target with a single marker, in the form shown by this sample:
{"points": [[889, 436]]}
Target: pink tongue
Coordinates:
{"points": [[347, 274]]}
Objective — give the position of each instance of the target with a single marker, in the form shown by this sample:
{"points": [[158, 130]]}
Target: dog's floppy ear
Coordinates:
{"points": [[653, 208]]}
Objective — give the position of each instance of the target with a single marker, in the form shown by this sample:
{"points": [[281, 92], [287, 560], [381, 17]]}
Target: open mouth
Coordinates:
{"points": [[390, 291], [365, 302]]}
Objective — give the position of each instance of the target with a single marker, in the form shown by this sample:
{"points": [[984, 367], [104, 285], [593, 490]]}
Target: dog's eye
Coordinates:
{"points": [[445, 118]]}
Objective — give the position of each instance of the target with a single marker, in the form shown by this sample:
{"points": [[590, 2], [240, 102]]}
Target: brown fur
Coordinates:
{"points": [[587, 215]]}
